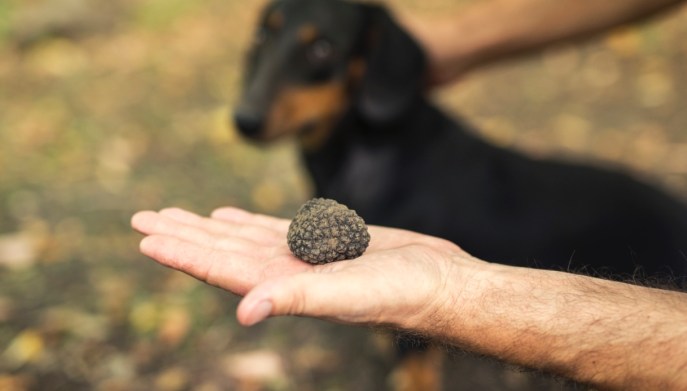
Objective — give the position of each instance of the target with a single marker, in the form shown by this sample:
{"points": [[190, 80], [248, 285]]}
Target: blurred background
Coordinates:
{"points": [[109, 107]]}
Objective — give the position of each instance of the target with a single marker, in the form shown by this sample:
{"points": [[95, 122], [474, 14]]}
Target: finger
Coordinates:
{"points": [[221, 230], [193, 219], [318, 295], [237, 215], [236, 273], [143, 221], [227, 234], [160, 224]]}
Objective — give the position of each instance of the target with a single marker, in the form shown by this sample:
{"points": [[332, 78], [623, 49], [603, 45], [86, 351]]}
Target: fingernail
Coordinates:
{"points": [[261, 311]]}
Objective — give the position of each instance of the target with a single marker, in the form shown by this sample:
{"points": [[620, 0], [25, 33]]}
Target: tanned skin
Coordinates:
{"points": [[608, 334], [498, 29]]}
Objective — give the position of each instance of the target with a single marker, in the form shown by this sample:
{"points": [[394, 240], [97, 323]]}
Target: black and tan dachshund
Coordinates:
{"points": [[347, 82]]}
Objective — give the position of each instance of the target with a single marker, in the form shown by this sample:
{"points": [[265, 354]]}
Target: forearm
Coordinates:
{"points": [[491, 30], [609, 334]]}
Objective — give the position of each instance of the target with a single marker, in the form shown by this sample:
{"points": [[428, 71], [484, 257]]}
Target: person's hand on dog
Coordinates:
{"points": [[491, 31], [244, 253]]}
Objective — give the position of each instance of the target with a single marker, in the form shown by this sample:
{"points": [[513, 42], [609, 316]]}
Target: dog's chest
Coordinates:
{"points": [[365, 179]]}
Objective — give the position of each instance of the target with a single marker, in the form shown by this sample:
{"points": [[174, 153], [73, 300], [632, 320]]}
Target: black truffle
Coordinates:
{"points": [[325, 231]]}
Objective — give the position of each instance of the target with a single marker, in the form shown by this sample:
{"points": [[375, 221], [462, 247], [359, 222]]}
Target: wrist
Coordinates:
{"points": [[463, 279], [484, 307]]}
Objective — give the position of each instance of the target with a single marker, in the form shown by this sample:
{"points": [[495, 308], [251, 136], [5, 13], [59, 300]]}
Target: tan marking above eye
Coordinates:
{"points": [[308, 33], [275, 20], [356, 70]]}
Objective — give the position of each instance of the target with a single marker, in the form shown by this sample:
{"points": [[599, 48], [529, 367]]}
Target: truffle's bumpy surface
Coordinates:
{"points": [[325, 231]]}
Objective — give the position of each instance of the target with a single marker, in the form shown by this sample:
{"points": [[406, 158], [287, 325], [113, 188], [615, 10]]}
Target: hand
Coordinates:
{"points": [[490, 31], [399, 281], [448, 56]]}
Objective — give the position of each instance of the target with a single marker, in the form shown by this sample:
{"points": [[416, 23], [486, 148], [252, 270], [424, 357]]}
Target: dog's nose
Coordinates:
{"points": [[248, 124]]}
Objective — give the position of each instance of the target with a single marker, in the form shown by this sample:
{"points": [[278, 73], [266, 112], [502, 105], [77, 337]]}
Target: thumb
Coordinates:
{"points": [[308, 294]]}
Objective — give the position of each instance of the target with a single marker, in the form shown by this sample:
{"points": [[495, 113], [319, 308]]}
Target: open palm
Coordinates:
{"points": [[247, 254]]}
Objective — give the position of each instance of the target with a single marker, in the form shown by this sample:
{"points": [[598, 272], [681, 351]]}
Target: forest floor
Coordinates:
{"points": [[109, 107]]}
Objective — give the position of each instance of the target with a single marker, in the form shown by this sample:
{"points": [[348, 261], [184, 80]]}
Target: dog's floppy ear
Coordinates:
{"points": [[395, 68]]}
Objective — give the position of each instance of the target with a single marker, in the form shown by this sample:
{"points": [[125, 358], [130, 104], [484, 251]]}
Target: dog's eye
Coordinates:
{"points": [[320, 51]]}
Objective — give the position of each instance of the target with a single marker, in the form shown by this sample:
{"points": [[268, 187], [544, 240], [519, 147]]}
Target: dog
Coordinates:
{"points": [[348, 82]]}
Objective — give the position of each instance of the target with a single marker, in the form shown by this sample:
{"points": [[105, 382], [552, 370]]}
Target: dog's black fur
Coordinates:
{"points": [[399, 161], [347, 81]]}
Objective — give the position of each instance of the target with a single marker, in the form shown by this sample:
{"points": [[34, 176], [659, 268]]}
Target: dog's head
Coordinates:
{"points": [[312, 60]]}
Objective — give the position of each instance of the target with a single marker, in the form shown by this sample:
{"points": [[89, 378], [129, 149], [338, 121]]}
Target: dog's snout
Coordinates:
{"points": [[250, 124]]}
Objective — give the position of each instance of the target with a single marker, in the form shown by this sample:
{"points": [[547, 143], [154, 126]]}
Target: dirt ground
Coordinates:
{"points": [[109, 107]]}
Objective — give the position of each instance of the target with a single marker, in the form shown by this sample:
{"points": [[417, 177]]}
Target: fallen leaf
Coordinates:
{"points": [[144, 317], [18, 250], [172, 379], [268, 196], [175, 325], [27, 347], [14, 383], [255, 366]]}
